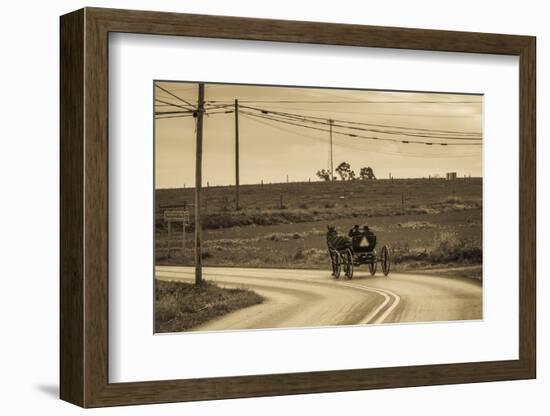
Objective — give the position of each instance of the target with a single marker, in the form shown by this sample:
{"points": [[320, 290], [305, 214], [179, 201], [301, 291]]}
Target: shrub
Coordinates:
{"points": [[312, 255], [402, 253], [416, 225], [448, 247], [283, 236], [453, 199], [166, 308]]}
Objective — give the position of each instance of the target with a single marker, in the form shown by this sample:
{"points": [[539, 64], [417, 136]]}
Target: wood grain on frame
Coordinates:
{"points": [[71, 214], [84, 207]]}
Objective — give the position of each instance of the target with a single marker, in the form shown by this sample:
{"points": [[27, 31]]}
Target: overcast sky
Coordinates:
{"points": [[271, 150]]}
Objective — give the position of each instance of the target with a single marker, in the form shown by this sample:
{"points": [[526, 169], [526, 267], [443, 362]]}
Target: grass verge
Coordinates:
{"points": [[447, 248], [180, 306], [471, 272]]}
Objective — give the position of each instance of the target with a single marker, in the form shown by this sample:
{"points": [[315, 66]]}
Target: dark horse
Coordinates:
{"points": [[336, 244], [335, 241]]}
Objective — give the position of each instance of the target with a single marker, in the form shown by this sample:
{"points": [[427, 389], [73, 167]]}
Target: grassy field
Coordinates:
{"points": [[180, 306], [427, 223]]}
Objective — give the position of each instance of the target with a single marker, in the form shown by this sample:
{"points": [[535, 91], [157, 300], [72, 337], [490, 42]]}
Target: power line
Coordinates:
{"points": [[179, 116], [348, 145], [275, 126], [220, 106], [401, 133], [336, 110], [192, 87], [219, 112], [369, 124], [410, 131], [175, 114], [362, 136], [175, 96], [160, 113], [325, 121], [350, 102], [174, 105], [298, 120]]}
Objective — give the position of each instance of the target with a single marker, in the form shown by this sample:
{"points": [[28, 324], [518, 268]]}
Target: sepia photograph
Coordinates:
{"points": [[294, 207]]}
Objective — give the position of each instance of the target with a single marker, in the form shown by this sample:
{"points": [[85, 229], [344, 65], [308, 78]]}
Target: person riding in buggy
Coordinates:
{"points": [[359, 247]]}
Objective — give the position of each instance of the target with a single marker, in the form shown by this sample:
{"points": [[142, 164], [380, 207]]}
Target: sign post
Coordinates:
{"points": [[176, 215]]}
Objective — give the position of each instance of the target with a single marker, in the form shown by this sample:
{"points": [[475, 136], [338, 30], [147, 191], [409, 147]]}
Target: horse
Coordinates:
{"points": [[335, 241]]}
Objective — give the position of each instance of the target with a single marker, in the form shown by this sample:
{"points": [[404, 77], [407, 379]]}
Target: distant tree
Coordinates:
{"points": [[323, 174], [344, 171], [351, 176], [367, 173]]}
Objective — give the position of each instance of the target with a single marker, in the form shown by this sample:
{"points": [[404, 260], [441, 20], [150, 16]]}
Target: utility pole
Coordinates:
{"points": [[331, 161], [198, 188], [237, 154]]}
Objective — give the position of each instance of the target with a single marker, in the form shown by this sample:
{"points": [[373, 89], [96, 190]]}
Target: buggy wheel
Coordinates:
{"points": [[372, 268], [335, 263], [348, 263], [373, 265], [385, 260]]}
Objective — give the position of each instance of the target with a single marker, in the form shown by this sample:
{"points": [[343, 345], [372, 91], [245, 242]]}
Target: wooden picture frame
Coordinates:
{"points": [[84, 207]]}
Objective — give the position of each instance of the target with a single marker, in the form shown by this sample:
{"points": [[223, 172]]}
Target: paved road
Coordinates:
{"points": [[301, 298]]}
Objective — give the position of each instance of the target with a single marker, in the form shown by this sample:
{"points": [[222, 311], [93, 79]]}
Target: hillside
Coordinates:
{"points": [[426, 223], [319, 201]]}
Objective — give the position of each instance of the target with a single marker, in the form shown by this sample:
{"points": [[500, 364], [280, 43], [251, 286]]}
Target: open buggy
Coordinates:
{"points": [[360, 248]]}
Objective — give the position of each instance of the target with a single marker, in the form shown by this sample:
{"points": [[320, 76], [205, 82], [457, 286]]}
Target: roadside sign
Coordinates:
{"points": [[177, 215]]}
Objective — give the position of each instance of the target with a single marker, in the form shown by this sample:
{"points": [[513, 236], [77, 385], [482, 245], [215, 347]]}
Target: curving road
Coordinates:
{"points": [[302, 298]]}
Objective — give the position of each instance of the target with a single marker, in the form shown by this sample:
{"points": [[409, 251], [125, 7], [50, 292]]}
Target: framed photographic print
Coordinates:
{"points": [[256, 207]]}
